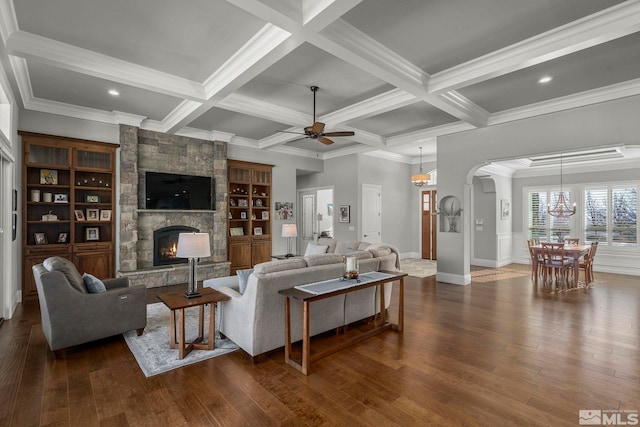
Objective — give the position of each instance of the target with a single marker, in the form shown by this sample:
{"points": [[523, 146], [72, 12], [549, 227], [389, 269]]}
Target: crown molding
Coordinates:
{"points": [[128, 119], [68, 57], [386, 155], [69, 110], [8, 20], [21, 76], [293, 151], [461, 107], [609, 24]]}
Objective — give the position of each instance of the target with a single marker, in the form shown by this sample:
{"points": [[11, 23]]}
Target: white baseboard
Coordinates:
{"points": [[456, 279]]}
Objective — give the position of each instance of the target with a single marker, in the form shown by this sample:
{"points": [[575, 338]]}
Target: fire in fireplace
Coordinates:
{"points": [[165, 244]]}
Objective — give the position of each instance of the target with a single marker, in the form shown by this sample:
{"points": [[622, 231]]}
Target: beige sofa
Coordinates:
{"points": [[255, 319]]}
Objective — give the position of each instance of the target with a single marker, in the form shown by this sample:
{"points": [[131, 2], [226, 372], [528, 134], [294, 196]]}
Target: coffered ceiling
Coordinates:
{"points": [[397, 73]]}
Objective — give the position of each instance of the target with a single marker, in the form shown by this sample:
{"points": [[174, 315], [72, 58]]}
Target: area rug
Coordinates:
{"points": [[495, 274], [415, 267], [152, 351]]}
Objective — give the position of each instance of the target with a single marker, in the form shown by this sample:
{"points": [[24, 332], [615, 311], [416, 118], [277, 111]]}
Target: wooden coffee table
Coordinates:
{"points": [[177, 302]]}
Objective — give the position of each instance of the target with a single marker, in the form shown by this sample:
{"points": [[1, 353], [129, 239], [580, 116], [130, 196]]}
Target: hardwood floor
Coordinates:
{"points": [[494, 353]]}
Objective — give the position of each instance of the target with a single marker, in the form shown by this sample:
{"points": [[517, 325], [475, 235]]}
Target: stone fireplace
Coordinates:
{"points": [[142, 151], [165, 244]]}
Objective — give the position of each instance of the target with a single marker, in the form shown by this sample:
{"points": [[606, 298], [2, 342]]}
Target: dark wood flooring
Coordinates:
{"points": [[495, 353]]}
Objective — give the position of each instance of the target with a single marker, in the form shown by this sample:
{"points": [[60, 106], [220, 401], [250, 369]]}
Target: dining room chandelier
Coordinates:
{"points": [[422, 178], [561, 209]]}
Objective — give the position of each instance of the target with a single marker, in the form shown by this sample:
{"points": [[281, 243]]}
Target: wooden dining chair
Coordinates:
{"points": [[555, 262], [571, 241], [536, 259], [586, 263]]}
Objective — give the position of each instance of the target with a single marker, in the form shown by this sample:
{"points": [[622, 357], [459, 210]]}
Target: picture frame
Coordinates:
{"points": [[40, 238], [63, 237], [93, 214], [105, 215], [505, 208], [243, 203], [92, 198], [60, 198], [91, 233], [243, 215], [258, 203], [79, 215], [344, 213], [257, 231], [48, 176], [265, 215], [236, 231]]}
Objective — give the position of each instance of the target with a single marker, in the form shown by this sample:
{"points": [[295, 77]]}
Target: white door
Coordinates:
{"points": [[306, 233], [371, 213]]}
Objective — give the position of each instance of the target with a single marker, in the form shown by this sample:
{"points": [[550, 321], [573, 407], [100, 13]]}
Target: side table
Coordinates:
{"points": [[176, 302]]}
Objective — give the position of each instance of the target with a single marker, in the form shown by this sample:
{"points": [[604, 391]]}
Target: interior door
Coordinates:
{"points": [[306, 233], [429, 233], [371, 213]]}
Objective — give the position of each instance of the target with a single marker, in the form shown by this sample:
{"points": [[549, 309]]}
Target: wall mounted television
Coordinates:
{"points": [[177, 191]]}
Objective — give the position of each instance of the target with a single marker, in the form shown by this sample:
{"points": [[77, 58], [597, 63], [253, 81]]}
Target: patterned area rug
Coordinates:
{"points": [[418, 267], [494, 274], [152, 351]]}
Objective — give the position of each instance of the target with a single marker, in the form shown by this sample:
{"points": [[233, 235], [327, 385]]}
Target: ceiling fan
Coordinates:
{"points": [[316, 130]]}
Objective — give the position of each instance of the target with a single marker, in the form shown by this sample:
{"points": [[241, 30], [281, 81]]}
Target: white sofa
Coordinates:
{"points": [[254, 320]]}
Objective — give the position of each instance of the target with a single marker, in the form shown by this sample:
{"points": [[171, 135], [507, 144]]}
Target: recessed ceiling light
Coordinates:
{"points": [[113, 92], [545, 79]]}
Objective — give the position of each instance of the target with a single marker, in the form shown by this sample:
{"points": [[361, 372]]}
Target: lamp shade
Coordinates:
{"points": [[193, 245], [289, 230], [420, 179]]}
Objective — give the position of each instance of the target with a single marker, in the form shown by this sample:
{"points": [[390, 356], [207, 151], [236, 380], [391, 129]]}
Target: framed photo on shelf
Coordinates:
{"points": [[236, 231], [257, 231], [344, 213], [105, 215], [61, 198], [79, 215], [92, 198], [40, 238], [258, 203], [243, 215], [243, 203], [93, 214], [48, 176], [265, 214], [63, 237], [91, 233]]}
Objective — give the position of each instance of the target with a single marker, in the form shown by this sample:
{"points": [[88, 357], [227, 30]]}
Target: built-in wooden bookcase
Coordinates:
{"points": [[250, 219], [68, 205]]}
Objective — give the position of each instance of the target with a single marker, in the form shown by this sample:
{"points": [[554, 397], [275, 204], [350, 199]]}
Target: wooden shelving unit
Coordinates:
{"points": [[68, 205], [249, 214]]}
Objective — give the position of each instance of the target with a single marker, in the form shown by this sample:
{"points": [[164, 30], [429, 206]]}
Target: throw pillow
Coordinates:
{"points": [[67, 268], [93, 284], [243, 277], [313, 249]]}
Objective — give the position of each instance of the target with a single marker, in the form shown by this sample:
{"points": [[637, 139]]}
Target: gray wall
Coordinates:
{"points": [[484, 207]]}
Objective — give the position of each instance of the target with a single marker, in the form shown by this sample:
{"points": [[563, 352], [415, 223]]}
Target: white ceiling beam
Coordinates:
{"points": [[461, 107], [318, 14], [391, 100], [68, 57], [609, 24], [8, 20], [427, 135], [265, 110]]}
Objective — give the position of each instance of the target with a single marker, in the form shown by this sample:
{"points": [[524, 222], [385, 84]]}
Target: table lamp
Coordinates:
{"points": [[193, 246], [289, 231]]}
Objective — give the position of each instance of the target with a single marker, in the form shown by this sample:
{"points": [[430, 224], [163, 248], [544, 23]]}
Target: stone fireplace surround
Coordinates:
{"points": [[143, 150]]}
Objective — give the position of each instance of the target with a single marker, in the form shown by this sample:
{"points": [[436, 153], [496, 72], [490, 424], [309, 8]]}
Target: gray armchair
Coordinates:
{"points": [[71, 316]]}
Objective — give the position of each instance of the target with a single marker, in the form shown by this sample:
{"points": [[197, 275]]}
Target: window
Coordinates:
{"points": [[610, 215], [541, 225]]}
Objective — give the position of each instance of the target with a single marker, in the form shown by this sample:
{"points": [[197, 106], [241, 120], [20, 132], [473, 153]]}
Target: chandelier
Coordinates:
{"points": [[422, 178], [561, 208]]}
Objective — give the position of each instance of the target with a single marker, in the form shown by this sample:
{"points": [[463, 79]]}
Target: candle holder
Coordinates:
{"points": [[351, 267]]}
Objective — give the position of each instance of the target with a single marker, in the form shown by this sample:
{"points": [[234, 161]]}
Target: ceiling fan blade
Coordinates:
{"points": [[324, 140], [317, 127], [347, 133]]}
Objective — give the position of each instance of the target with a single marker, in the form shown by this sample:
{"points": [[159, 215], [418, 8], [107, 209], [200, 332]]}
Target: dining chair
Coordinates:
{"points": [[536, 259], [586, 263], [571, 241], [555, 262]]}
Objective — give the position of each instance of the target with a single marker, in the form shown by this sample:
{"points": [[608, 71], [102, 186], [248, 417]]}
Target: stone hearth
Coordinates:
{"points": [[141, 151]]}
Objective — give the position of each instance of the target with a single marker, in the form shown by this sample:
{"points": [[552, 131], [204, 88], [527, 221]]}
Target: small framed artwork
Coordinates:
{"points": [[505, 208], [91, 233], [92, 198], [243, 215], [61, 198], [243, 203], [79, 215], [258, 203], [40, 238], [48, 176], [93, 214], [63, 237], [265, 214], [257, 231], [105, 215], [344, 213], [236, 231]]}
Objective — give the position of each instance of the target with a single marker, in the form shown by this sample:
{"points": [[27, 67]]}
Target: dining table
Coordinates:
{"points": [[570, 250]]}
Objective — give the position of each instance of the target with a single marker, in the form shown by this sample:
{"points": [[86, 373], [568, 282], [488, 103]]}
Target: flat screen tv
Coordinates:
{"points": [[175, 191]]}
